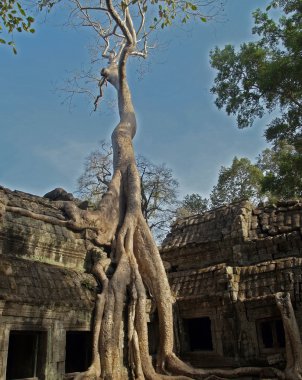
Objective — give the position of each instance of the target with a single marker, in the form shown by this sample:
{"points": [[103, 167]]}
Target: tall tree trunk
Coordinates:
{"points": [[138, 266], [138, 263]]}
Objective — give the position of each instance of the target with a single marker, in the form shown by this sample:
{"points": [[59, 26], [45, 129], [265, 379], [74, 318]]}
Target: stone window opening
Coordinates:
{"points": [[271, 335], [199, 334], [26, 355], [153, 333], [78, 351]]}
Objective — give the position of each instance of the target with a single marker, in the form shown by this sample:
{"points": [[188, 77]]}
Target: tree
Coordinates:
{"points": [[282, 168], [13, 17], [192, 204], [265, 75], [158, 187], [275, 175], [94, 181], [119, 222], [242, 180], [159, 196]]}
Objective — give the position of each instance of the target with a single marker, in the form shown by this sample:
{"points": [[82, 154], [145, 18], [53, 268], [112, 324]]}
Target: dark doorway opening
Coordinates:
{"points": [[199, 334], [153, 333], [78, 351], [267, 334], [280, 333], [26, 355], [272, 334]]}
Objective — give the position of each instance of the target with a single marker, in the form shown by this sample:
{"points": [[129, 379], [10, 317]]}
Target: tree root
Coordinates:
{"points": [[175, 365], [139, 265], [293, 370]]}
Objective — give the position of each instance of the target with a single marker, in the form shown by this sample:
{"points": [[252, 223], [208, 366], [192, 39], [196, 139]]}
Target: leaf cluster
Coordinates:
{"points": [[265, 76], [282, 168], [192, 204], [242, 180], [275, 175], [13, 17]]}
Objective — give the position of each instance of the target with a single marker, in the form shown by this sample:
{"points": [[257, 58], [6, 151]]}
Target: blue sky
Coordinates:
{"points": [[43, 143]]}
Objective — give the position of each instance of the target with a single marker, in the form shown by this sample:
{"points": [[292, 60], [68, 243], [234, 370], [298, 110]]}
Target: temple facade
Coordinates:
{"points": [[46, 298], [224, 267]]}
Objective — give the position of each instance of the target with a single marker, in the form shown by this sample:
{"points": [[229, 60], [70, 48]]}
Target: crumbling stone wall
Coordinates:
{"points": [[227, 264], [223, 266], [235, 234], [49, 239], [43, 288]]}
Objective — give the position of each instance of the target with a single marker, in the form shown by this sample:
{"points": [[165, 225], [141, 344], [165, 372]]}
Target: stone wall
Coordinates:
{"points": [[224, 268], [236, 234], [45, 294], [226, 265], [37, 227]]}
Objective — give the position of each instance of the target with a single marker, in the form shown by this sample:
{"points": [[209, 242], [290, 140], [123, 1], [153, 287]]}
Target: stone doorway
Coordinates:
{"points": [[199, 334], [271, 335], [78, 351], [26, 355]]}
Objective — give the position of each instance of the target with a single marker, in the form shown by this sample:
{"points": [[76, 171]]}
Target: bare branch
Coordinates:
{"points": [[101, 83], [143, 17], [93, 9], [122, 25], [129, 23], [143, 53]]}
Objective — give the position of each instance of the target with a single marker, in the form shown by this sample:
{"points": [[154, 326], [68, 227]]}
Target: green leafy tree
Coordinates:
{"points": [[192, 204], [265, 75], [242, 180], [13, 17], [282, 168]]}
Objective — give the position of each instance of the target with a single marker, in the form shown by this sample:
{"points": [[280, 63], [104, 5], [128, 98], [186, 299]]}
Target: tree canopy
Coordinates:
{"points": [[282, 168], [242, 180], [264, 76], [274, 175], [192, 204]]}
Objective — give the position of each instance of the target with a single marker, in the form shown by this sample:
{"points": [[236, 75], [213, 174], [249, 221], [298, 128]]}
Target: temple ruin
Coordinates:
{"points": [[224, 267]]}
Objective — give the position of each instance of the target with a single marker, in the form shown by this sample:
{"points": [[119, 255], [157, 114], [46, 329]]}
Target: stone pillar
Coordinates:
{"points": [[55, 367], [4, 340]]}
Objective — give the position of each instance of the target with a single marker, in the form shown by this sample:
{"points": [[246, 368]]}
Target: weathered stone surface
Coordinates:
{"points": [[59, 194], [224, 268], [236, 234], [226, 265], [37, 283], [43, 288], [39, 228]]}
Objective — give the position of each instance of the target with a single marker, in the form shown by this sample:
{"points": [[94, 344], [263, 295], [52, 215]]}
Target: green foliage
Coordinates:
{"points": [[163, 13], [282, 168], [276, 175], [192, 204], [265, 76], [240, 181], [88, 285], [13, 17], [168, 11]]}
